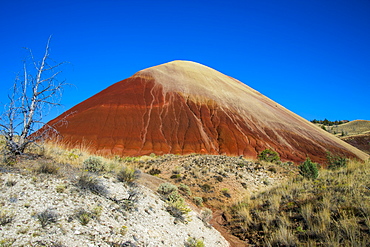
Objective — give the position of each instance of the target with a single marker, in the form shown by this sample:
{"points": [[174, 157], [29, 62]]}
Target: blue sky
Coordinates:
{"points": [[312, 57]]}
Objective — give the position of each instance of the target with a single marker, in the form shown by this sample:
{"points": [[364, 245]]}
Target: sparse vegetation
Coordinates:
{"points": [[5, 216], [91, 183], [83, 216], [46, 217], [336, 161], [333, 210], [308, 169], [128, 174], [166, 188], [185, 189], [94, 164], [198, 201], [47, 167], [193, 242], [206, 215], [269, 155]]}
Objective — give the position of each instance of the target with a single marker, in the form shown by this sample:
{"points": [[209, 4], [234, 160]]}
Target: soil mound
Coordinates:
{"points": [[184, 107]]}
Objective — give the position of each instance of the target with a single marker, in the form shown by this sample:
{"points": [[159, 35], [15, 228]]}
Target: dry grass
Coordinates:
{"points": [[355, 127], [333, 210]]}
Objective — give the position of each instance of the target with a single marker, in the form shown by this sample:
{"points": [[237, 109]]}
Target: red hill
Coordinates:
{"points": [[184, 107]]}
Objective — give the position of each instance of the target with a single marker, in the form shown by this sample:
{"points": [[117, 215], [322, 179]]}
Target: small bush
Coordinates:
{"points": [[193, 242], [308, 169], [206, 187], [176, 206], [94, 164], [336, 162], [166, 188], [83, 216], [11, 182], [46, 217], [154, 171], [268, 155], [9, 160], [206, 216], [47, 168], [185, 189], [5, 217], [198, 201], [91, 183], [60, 188], [225, 192], [128, 175]]}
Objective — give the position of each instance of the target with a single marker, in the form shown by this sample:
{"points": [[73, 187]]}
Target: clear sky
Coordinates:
{"points": [[312, 57]]}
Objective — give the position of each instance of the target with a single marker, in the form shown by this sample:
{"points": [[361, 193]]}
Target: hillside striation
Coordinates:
{"points": [[183, 107]]}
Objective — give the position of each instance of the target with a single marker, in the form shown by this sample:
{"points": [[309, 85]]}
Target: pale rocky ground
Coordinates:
{"points": [[24, 195]]}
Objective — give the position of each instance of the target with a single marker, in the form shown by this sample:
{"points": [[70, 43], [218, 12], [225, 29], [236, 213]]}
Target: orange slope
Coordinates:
{"points": [[184, 107]]}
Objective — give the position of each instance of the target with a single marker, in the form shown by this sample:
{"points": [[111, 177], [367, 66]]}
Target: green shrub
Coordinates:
{"points": [[91, 183], [46, 217], [268, 155], [185, 189], [166, 188], [176, 206], [94, 164], [83, 216], [336, 162], [308, 169], [128, 174], [198, 201], [193, 242]]}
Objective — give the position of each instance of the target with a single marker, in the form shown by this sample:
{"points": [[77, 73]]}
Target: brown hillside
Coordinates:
{"points": [[184, 107], [361, 142]]}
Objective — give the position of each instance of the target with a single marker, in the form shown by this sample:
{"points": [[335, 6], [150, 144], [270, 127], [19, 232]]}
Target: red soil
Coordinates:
{"points": [[183, 107]]}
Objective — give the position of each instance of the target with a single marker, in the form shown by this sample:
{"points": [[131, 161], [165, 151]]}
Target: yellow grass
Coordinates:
{"points": [[333, 210]]}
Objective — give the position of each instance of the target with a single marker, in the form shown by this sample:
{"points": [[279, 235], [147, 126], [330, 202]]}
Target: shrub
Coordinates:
{"points": [[83, 216], [268, 155], [198, 201], [336, 162], [47, 168], [185, 189], [46, 217], [176, 206], [193, 242], [225, 192], [166, 188], [60, 188], [308, 169], [206, 187], [5, 217], [94, 164], [128, 174], [206, 215], [154, 171], [91, 183]]}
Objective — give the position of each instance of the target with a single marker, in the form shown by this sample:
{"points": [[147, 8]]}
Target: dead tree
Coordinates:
{"points": [[34, 93]]}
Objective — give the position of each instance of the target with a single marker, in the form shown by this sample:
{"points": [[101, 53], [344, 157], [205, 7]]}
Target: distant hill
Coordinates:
{"points": [[355, 127], [356, 133]]}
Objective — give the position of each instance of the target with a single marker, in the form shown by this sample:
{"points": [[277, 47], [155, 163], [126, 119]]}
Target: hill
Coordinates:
{"points": [[351, 128], [51, 200], [356, 133], [184, 107]]}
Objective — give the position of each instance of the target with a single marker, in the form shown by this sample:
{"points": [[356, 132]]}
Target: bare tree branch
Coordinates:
{"points": [[36, 91]]}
